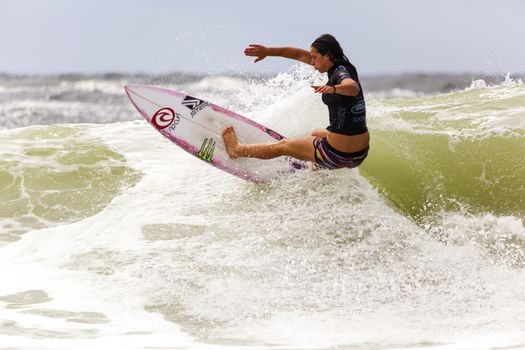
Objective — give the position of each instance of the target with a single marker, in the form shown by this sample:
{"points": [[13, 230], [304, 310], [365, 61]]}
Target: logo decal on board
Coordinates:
{"points": [[191, 102], [194, 104], [176, 121], [163, 118], [207, 149]]}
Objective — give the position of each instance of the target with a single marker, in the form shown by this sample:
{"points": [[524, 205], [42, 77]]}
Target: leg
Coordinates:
{"points": [[299, 147]]}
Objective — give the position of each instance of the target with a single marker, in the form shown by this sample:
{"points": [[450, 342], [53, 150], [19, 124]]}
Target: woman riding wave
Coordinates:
{"points": [[345, 142]]}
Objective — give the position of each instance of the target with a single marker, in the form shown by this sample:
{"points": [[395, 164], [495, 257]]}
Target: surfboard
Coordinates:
{"points": [[196, 126]]}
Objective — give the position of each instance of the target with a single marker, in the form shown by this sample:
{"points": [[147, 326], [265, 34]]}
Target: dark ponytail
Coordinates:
{"points": [[326, 44]]}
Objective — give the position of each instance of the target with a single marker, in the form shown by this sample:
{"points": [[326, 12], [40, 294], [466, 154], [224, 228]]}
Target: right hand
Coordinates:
{"points": [[258, 51]]}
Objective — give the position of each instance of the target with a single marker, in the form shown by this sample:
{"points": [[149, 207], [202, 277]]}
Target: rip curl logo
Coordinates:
{"points": [[207, 149], [163, 118], [176, 121], [194, 104]]}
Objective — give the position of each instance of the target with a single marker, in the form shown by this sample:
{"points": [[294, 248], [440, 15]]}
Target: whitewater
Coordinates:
{"points": [[113, 237]]}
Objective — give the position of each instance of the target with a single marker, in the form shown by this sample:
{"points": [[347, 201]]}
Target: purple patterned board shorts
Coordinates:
{"points": [[329, 158]]}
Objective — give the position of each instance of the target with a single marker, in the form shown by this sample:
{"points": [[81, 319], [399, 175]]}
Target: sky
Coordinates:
{"points": [[209, 36]]}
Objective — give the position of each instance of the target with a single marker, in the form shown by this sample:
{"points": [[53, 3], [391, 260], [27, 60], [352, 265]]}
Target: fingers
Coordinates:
{"points": [[253, 50], [322, 89]]}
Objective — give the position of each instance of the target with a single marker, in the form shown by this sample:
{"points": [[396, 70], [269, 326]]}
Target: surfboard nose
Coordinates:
{"points": [[143, 91], [136, 91], [129, 88], [137, 87]]}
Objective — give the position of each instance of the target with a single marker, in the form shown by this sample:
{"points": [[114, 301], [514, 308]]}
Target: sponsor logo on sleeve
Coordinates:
{"points": [[194, 104], [358, 119], [359, 107]]}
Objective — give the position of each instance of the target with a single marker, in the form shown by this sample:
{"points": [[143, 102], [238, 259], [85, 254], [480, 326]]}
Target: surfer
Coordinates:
{"points": [[345, 142]]}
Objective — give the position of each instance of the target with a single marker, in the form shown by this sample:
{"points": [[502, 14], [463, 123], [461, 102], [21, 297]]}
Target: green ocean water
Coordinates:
{"points": [[56, 174], [462, 151]]}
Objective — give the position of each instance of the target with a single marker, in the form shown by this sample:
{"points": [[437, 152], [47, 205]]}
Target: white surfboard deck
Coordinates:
{"points": [[197, 125]]}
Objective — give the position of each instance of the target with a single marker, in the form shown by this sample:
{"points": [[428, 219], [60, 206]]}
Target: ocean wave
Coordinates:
{"points": [[422, 244], [55, 175], [428, 151]]}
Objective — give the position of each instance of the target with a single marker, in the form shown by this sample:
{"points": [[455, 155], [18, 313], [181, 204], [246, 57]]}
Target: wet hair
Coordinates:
{"points": [[327, 44]]}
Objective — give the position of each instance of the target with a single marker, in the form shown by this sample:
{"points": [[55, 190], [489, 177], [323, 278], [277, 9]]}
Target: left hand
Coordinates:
{"points": [[323, 89]]}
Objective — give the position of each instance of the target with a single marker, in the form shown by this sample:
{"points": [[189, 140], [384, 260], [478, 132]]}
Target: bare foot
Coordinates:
{"points": [[231, 143]]}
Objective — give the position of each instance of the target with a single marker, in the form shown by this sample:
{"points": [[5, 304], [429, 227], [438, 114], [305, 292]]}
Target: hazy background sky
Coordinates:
{"points": [[209, 36]]}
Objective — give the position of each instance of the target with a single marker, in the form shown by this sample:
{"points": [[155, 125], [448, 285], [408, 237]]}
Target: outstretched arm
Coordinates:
{"points": [[293, 53]]}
